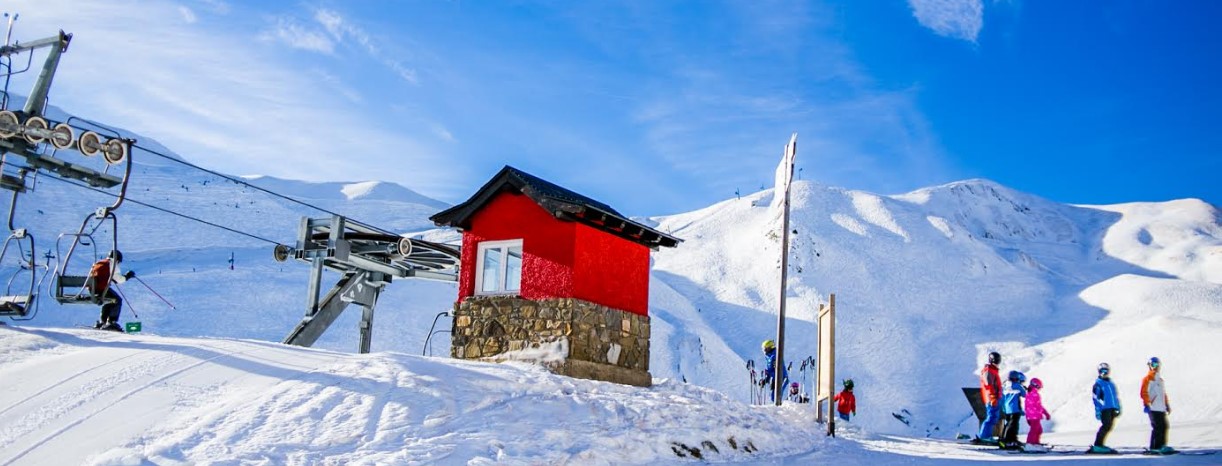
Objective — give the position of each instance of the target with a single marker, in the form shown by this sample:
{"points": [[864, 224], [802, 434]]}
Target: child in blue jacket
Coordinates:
{"points": [[770, 370], [1012, 395], [1107, 408]]}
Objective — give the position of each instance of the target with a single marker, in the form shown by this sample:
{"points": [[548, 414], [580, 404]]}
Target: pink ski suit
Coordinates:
{"points": [[1035, 411]]}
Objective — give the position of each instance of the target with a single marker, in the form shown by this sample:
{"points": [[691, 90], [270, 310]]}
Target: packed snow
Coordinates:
{"points": [[926, 283]]}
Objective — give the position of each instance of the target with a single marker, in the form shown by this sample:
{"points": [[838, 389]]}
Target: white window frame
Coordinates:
{"points": [[504, 245]]}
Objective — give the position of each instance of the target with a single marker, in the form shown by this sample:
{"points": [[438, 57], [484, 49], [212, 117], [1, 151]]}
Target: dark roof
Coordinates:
{"points": [[560, 202]]}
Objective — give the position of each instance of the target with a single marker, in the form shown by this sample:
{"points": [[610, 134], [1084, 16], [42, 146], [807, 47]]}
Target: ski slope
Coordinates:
{"points": [[78, 396], [926, 283]]}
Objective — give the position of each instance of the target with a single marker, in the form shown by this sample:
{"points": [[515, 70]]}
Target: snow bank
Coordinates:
{"points": [[94, 397]]}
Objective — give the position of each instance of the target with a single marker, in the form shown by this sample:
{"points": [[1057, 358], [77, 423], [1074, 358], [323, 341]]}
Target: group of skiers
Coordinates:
{"points": [[1004, 401], [846, 402]]}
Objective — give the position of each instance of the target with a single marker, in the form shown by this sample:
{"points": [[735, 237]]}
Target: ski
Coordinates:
{"points": [[90, 327]]}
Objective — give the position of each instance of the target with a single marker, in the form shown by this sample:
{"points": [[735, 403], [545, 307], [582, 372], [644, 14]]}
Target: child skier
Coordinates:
{"points": [[1154, 397], [1012, 410], [770, 369], [795, 394], [846, 403], [1107, 408], [1035, 411]]}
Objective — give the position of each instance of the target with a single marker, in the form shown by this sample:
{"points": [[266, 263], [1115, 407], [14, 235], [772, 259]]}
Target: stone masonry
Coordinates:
{"points": [[602, 343]]}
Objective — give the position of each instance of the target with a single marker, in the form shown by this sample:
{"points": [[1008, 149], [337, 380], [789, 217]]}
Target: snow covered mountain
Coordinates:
{"points": [[926, 283]]}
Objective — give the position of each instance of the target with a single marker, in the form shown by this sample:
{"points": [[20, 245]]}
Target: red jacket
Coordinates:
{"points": [[990, 385], [99, 277], [846, 402]]}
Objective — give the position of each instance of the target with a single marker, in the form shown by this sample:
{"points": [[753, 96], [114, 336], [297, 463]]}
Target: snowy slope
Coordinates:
{"points": [[187, 261], [930, 281], [91, 397], [76, 396], [926, 283]]}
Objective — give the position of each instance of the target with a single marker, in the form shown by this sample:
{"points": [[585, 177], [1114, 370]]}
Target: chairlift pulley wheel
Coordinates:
{"points": [[90, 144], [281, 252], [62, 136], [9, 125], [36, 129], [115, 151]]}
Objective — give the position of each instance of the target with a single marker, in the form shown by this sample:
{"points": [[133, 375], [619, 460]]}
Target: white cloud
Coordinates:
{"points": [[187, 14], [343, 30], [211, 96], [288, 32], [443, 133], [957, 19]]}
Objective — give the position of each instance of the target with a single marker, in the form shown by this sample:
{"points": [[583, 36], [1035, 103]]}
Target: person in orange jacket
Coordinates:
{"points": [[846, 403], [103, 273], [1154, 398], [990, 394]]}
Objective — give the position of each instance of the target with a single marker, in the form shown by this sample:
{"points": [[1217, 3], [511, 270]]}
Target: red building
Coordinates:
{"points": [[524, 236]]}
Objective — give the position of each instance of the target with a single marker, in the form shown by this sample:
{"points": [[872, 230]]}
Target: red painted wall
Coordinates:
{"points": [[547, 246], [611, 271], [559, 259]]}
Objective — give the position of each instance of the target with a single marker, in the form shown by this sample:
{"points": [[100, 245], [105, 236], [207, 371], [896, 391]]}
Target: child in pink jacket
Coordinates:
{"points": [[1035, 411]]}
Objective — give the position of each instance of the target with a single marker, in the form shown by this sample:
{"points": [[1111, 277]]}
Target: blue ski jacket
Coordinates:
{"points": [[770, 367], [1105, 397], [1012, 397]]}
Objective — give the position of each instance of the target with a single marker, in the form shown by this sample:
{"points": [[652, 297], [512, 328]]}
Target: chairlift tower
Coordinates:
{"points": [[27, 133], [367, 258]]}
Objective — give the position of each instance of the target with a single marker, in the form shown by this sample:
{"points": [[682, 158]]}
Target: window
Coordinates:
{"points": [[500, 267]]}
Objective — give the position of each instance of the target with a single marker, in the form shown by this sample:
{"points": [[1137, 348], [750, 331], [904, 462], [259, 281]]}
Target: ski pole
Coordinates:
{"points": [[151, 290], [129, 303]]}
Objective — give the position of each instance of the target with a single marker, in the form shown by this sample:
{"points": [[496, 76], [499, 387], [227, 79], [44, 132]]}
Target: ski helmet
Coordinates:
{"points": [[768, 345], [1035, 383], [794, 385], [848, 384], [1104, 368], [994, 358], [1015, 376], [1155, 362], [116, 255]]}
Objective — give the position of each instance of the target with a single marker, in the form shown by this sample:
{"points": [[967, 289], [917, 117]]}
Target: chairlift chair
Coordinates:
{"points": [[70, 288], [18, 300]]}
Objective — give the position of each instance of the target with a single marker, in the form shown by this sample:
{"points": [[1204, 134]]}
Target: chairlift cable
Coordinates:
{"points": [[248, 184], [168, 211], [222, 175]]}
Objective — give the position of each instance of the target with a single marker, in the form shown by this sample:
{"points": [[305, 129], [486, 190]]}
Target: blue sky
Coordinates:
{"points": [[658, 107]]}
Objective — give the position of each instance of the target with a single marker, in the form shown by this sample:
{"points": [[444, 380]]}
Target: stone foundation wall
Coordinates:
{"points": [[601, 343]]}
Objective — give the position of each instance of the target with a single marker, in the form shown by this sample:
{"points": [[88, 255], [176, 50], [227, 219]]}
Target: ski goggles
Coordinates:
{"points": [[1104, 370], [1154, 364]]}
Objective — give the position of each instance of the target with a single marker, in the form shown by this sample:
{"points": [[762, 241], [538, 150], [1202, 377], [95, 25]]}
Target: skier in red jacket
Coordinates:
{"points": [[990, 394], [846, 403]]}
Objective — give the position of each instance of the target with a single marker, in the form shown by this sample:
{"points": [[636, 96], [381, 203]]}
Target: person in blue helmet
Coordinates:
{"points": [[770, 370], [1157, 406], [1012, 409], [1107, 408]]}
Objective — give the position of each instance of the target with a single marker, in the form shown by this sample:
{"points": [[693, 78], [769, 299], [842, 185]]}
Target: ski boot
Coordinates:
{"points": [[990, 441], [1100, 450]]}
